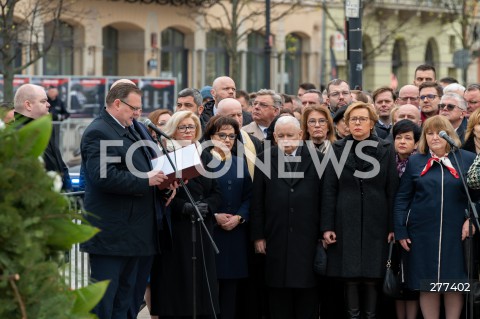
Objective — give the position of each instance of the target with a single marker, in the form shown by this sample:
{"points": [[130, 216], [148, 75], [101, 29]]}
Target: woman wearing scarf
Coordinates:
{"points": [[430, 220]]}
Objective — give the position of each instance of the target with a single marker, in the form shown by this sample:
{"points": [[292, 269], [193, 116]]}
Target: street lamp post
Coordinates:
{"points": [[268, 47], [353, 13]]}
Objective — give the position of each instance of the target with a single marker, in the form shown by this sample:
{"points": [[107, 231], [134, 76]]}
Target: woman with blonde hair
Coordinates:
{"points": [[171, 279], [430, 221], [317, 126], [356, 218], [472, 134]]}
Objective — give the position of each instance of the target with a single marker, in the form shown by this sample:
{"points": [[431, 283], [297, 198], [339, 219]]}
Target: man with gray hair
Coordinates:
{"points": [[266, 107], [408, 94], [31, 103], [285, 221], [190, 99], [454, 108]]}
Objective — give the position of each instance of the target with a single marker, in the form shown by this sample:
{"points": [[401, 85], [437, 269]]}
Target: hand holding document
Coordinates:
{"points": [[187, 161]]}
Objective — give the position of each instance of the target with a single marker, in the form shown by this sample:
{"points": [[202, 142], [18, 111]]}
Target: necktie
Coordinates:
{"points": [[265, 132], [440, 160]]}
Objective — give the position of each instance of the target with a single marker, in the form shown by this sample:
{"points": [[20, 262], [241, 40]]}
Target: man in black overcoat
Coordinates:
{"points": [[285, 221], [120, 196]]}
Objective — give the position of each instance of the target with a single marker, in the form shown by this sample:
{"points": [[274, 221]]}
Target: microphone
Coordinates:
{"points": [[447, 138], [149, 123]]}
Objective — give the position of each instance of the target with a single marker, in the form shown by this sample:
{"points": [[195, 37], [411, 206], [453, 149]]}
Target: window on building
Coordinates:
{"points": [[293, 63], [17, 53], [174, 56], [255, 62], [217, 61], [59, 59], [110, 51], [431, 53]]}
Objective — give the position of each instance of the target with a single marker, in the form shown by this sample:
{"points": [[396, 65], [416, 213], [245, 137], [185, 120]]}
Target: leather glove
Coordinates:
{"points": [[203, 208], [188, 209]]}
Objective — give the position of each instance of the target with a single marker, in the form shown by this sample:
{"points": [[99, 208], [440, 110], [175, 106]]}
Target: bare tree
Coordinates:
{"points": [[22, 34], [236, 17]]}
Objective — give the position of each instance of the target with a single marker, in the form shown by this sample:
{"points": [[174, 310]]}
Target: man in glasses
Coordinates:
{"points": [[121, 195], [338, 94], [453, 107], [430, 94], [266, 107], [424, 73], [408, 94], [472, 97]]}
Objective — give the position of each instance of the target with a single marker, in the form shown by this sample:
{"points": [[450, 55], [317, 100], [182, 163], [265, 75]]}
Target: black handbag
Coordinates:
{"points": [[392, 285], [320, 261]]}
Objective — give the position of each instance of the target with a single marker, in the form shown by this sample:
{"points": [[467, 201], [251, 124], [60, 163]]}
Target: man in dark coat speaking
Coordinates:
{"points": [[120, 190], [285, 221]]}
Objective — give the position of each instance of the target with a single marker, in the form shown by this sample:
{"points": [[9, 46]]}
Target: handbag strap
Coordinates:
{"points": [[390, 248]]}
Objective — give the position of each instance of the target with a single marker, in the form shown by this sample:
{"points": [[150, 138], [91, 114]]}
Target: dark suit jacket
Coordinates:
{"points": [[286, 212], [52, 156], [121, 204]]}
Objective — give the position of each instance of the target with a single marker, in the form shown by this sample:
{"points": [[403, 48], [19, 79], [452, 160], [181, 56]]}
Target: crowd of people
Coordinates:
{"points": [[342, 169]]}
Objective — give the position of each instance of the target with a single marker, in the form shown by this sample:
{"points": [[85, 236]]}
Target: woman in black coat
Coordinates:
{"points": [[356, 216], [230, 231], [172, 279]]}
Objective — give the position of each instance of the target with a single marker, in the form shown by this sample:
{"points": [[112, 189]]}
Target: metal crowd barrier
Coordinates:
{"points": [[76, 270]]}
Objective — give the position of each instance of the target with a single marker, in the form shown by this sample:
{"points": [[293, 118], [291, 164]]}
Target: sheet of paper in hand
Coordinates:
{"points": [[187, 161]]}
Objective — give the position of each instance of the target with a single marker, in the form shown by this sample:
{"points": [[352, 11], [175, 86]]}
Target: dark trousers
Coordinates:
{"points": [[293, 303], [143, 272], [122, 273], [227, 289]]}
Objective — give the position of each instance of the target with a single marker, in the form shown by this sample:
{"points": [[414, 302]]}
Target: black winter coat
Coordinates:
{"points": [[286, 213], [171, 278], [359, 210], [121, 204]]}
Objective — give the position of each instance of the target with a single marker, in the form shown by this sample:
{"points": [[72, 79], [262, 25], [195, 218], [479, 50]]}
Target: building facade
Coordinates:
{"points": [[154, 38]]}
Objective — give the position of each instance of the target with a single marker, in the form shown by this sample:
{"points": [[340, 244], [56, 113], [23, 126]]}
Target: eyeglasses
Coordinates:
{"points": [[184, 128], [223, 136], [428, 96], [337, 93], [406, 98], [449, 107], [261, 104], [313, 122], [360, 119], [134, 108], [162, 123]]}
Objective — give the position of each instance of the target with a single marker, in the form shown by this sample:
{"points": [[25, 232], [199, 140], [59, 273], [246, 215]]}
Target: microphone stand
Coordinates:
{"points": [[198, 218], [472, 210]]}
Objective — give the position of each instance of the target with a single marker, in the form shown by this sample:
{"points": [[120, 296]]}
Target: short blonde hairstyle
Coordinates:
{"points": [[437, 123], [361, 105], [320, 109], [473, 120], [179, 116]]}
